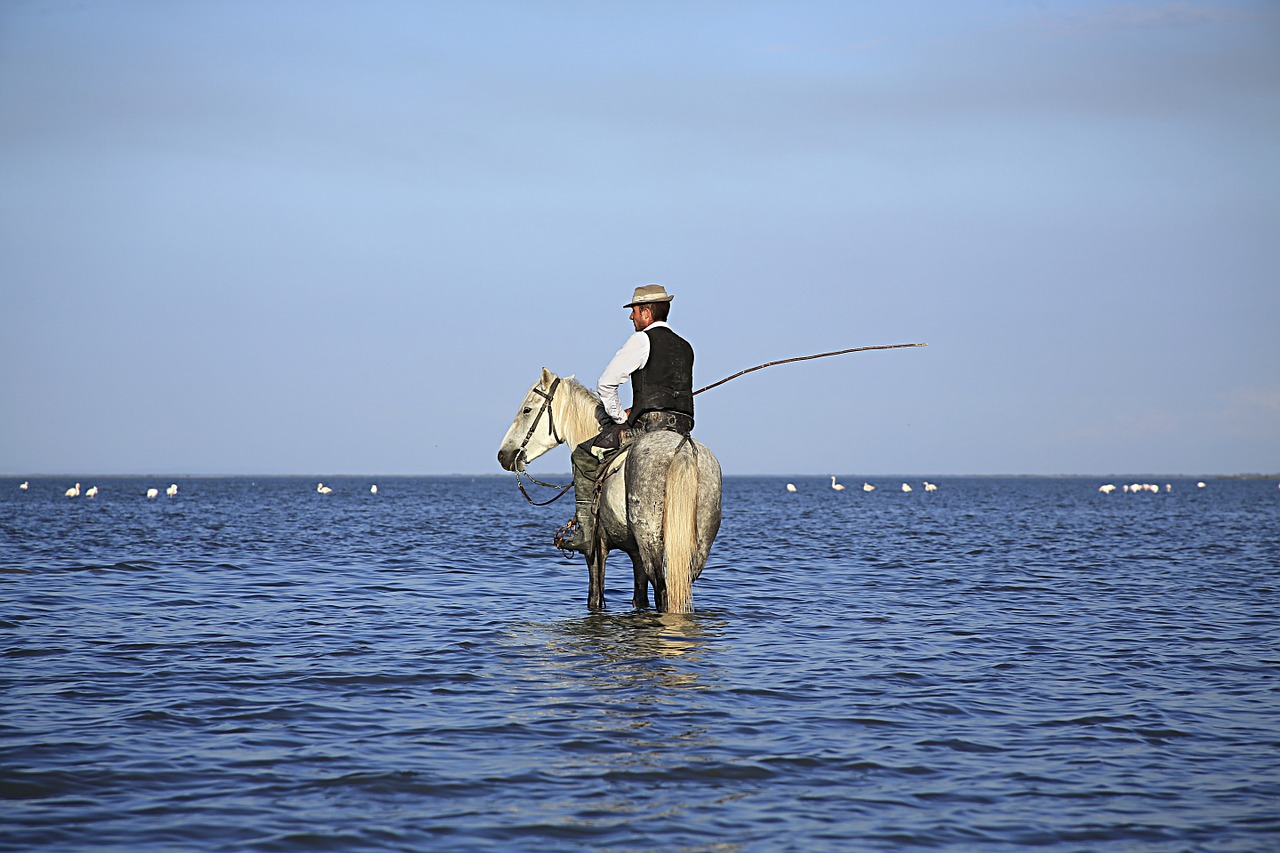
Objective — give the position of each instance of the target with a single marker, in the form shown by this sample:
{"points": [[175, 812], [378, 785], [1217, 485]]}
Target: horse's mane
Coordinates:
{"points": [[576, 415]]}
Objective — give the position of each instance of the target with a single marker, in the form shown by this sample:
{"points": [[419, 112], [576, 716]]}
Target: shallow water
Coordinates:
{"points": [[1006, 662]]}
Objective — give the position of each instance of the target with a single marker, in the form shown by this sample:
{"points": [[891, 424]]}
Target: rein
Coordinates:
{"points": [[533, 479], [551, 426]]}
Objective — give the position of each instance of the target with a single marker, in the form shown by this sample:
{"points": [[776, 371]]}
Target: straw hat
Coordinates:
{"points": [[649, 293]]}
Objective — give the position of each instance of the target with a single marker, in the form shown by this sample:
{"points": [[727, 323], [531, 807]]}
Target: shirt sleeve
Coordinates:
{"points": [[633, 356]]}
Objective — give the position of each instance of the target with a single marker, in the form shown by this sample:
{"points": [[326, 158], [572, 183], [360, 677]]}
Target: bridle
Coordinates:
{"points": [[551, 427], [545, 410]]}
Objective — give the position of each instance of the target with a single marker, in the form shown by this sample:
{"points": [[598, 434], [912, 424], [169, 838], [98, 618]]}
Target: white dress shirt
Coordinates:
{"points": [[633, 356]]}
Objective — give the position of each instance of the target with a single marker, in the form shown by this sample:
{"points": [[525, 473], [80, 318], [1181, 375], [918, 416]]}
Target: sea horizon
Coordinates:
{"points": [[1250, 475]]}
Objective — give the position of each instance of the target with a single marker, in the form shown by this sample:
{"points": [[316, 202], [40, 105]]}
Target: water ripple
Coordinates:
{"points": [[1005, 663]]}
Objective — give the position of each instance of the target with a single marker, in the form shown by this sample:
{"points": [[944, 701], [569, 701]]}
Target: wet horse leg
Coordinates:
{"points": [[648, 569], [660, 595], [595, 578], [640, 597], [654, 574]]}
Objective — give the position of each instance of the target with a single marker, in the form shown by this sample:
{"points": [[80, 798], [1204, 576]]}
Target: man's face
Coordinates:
{"points": [[641, 316]]}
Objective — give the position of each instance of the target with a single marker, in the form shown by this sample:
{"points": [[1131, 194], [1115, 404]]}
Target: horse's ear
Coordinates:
{"points": [[547, 377], [570, 377]]}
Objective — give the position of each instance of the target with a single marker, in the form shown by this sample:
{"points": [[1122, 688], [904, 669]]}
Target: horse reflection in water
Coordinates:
{"points": [[659, 501], [638, 648], [635, 691]]}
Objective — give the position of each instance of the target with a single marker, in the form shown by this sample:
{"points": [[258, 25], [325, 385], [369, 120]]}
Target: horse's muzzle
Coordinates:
{"points": [[511, 460]]}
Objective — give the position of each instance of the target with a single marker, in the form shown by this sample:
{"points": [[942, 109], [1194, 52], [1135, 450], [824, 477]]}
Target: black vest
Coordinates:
{"points": [[665, 383]]}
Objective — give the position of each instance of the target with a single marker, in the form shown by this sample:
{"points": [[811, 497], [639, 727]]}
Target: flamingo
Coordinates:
{"points": [[24, 485], [905, 487], [930, 487], [323, 489], [791, 487], [867, 487], [172, 490], [839, 487], [1107, 489], [151, 493], [92, 493], [73, 492], [373, 490]]}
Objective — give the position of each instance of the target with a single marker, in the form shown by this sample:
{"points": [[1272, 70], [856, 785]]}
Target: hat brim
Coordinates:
{"points": [[648, 301]]}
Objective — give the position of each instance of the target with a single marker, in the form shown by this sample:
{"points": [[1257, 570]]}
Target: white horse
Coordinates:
{"points": [[659, 498]]}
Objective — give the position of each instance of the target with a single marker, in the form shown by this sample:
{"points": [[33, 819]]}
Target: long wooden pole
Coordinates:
{"points": [[802, 358]]}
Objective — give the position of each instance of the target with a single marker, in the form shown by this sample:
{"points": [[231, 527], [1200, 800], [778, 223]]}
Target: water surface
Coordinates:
{"points": [[1005, 662]]}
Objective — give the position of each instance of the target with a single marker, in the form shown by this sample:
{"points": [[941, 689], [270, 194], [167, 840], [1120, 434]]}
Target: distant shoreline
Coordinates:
{"points": [[504, 474]]}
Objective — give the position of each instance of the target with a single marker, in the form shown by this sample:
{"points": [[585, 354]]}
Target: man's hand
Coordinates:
{"points": [[610, 438]]}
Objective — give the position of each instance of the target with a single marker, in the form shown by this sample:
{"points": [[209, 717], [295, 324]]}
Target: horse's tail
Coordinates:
{"points": [[680, 527]]}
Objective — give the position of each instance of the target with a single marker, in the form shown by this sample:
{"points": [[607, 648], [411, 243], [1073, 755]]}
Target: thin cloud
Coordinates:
{"points": [[1243, 412], [1249, 412], [1142, 17]]}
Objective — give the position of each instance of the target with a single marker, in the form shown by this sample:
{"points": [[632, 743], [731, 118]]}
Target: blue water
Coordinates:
{"points": [[1007, 662]]}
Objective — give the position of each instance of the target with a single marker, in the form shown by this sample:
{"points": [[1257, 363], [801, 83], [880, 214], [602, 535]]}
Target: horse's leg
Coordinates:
{"points": [[595, 578], [640, 597], [660, 595], [649, 564], [652, 568]]}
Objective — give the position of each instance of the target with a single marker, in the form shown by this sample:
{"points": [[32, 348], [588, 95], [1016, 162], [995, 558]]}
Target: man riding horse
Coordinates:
{"points": [[660, 365]]}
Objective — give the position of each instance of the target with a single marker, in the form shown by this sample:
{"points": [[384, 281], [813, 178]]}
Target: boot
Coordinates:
{"points": [[585, 468], [584, 528]]}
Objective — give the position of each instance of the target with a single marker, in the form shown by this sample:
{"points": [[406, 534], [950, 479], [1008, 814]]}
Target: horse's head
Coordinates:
{"points": [[533, 432]]}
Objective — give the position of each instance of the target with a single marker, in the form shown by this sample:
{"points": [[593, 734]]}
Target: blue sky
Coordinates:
{"points": [[342, 237]]}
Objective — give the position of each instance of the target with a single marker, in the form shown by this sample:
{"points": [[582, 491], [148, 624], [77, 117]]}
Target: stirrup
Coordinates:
{"points": [[564, 534]]}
